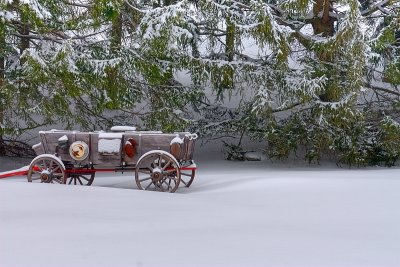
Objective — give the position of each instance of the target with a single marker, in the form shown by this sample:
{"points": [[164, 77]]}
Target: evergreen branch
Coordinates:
{"points": [[377, 88], [286, 108], [75, 4], [134, 8], [379, 6], [37, 37]]}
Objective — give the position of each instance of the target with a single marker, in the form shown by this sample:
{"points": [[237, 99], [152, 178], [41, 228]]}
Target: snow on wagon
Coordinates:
{"points": [[161, 161]]}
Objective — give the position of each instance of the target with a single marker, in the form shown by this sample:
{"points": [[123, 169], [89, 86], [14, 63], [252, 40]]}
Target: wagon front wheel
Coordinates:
{"points": [[46, 168], [158, 171]]}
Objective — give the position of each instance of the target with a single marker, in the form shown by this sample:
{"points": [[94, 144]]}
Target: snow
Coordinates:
{"points": [[63, 138], [109, 146], [123, 128], [234, 214], [177, 139], [37, 145], [253, 156], [110, 135], [151, 132]]}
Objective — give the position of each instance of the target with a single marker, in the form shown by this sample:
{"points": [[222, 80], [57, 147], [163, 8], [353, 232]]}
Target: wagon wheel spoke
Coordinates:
{"points": [[161, 187], [183, 181], [166, 165], [145, 179], [44, 165], [57, 168], [159, 161], [144, 171], [170, 171], [168, 185], [53, 165], [187, 178], [170, 180], [155, 186], [84, 178], [148, 186], [59, 181]]}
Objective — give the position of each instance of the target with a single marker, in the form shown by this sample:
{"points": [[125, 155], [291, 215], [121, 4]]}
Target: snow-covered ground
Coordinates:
{"points": [[235, 214]]}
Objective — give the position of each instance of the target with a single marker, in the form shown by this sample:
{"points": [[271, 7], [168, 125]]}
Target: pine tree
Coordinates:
{"points": [[310, 73], [321, 76]]}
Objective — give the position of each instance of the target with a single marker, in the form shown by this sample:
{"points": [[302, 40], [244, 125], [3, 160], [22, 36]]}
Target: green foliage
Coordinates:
{"points": [[233, 152], [281, 81]]}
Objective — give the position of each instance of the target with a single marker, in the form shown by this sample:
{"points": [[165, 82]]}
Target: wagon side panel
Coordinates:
{"points": [[156, 141], [50, 143], [43, 140], [105, 159]]}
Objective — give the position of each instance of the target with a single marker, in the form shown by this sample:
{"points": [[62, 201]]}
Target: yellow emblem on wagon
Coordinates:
{"points": [[79, 150]]}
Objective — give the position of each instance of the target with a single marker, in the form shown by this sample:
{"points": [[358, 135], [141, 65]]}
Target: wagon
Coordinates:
{"points": [[160, 161]]}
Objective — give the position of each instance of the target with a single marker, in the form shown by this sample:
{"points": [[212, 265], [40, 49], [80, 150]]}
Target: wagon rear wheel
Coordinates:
{"points": [[46, 168], [80, 177], [187, 177], [158, 171]]}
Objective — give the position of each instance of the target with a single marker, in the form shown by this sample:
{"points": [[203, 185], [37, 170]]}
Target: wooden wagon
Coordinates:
{"points": [[160, 161]]}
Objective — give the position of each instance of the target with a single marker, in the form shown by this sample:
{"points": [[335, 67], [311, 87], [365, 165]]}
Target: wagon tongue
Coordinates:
{"points": [[19, 172]]}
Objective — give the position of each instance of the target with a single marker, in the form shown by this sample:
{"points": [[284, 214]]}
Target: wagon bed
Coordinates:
{"points": [[160, 161]]}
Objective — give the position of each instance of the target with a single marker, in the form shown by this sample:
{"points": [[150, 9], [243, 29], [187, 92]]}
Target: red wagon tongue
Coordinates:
{"points": [[18, 172], [12, 173]]}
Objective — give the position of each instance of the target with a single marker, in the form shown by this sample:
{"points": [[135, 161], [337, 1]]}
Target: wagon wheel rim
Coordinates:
{"points": [[80, 178], [158, 172], [46, 170], [187, 177]]}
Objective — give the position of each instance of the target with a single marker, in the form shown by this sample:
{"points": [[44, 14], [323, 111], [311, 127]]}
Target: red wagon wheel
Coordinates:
{"points": [[158, 171], [80, 176], [46, 168]]}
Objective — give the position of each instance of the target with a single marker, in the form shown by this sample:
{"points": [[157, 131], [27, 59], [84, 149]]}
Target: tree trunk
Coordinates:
{"points": [[228, 72], [230, 40], [2, 76], [23, 30], [323, 23], [116, 34]]}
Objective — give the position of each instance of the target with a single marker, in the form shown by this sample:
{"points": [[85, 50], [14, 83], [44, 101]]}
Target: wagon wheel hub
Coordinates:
{"points": [[46, 176], [157, 175]]}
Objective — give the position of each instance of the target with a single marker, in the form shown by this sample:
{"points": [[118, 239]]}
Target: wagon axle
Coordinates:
{"points": [[46, 176]]}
